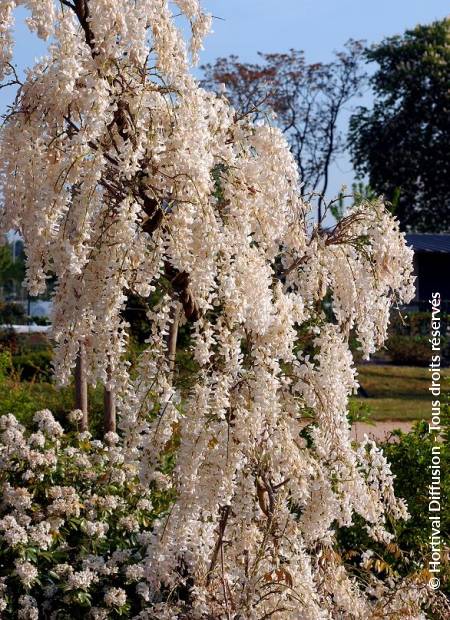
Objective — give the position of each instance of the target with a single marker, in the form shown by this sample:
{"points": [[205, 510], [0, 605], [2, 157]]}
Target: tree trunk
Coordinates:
{"points": [[109, 409], [81, 392]]}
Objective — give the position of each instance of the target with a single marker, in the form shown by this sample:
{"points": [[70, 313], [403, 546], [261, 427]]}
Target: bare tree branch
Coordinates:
{"points": [[307, 99]]}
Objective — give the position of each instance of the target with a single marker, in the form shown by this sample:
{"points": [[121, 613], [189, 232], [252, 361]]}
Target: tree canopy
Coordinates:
{"points": [[401, 143], [11, 271]]}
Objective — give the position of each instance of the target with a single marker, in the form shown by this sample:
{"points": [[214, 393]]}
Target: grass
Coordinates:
{"points": [[23, 399], [398, 392]]}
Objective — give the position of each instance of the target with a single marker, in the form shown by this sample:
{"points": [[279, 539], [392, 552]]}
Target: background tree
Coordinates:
{"points": [[308, 100], [402, 141], [12, 272]]}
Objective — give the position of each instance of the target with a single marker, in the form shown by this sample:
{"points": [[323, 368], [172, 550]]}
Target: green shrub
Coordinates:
{"points": [[409, 456], [5, 364], [408, 342], [12, 313], [415, 323], [33, 365], [409, 350]]}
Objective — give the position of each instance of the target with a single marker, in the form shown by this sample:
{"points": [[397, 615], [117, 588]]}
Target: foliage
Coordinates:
{"points": [[409, 455], [11, 272], [34, 365], [12, 313], [73, 519], [402, 142], [21, 344], [362, 192], [408, 339], [409, 350], [5, 364], [416, 323], [23, 399]]}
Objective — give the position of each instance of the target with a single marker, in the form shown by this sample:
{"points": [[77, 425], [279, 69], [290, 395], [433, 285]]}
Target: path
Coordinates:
{"points": [[381, 430]]}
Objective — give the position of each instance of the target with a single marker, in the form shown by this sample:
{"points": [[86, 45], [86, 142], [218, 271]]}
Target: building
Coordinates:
{"points": [[431, 267]]}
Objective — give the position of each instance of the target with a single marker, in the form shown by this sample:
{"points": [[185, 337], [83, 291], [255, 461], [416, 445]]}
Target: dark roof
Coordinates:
{"points": [[428, 242]]}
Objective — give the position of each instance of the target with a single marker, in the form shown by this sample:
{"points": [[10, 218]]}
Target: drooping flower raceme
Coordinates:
{"points": [[123, 175]]}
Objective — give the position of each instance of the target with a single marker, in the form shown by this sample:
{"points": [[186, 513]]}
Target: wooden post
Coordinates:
{"points": [[173, 337], [81, 392], [109, 408]]}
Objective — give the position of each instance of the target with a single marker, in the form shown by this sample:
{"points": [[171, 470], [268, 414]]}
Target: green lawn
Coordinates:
{"points": [[398, 392]]}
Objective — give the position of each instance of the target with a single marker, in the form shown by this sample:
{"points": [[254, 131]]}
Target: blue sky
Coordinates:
{"points": [[316, 26]]}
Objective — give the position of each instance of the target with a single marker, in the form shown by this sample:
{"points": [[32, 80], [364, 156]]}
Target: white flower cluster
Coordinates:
{"points": [[123, 175], [71, 536], [6, 40]]}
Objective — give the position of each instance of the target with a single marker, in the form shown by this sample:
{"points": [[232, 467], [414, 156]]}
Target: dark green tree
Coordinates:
{"points": [[12, 272], [402, 142]]}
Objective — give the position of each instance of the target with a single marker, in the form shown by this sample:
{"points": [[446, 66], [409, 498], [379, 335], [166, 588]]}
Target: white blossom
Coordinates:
{"points": [[26, 572], [115, 597]]}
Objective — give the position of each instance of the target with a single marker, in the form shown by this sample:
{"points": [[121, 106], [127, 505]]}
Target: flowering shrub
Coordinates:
{"points": [[73, 523]]}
